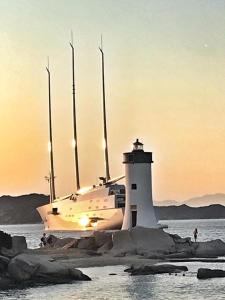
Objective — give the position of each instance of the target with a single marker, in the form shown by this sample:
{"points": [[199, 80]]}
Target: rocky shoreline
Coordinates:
{"points": [[144, 242], [139, 249]]}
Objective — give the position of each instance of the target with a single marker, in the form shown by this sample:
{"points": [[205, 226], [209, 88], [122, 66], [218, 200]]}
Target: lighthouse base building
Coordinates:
{"points": [[139, 209]]}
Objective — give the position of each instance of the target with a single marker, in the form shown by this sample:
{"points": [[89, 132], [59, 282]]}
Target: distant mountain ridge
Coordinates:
{"points": [[200, 201], [184, 212], [22, 209], [206, 200], [167, 203]]}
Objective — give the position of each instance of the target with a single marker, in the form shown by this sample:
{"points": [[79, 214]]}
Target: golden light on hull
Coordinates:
{"points": [[84, 221], [94, 224], [84, 190]]}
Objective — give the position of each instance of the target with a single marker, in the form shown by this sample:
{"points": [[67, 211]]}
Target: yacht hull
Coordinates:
{"points": [[109, 219]]}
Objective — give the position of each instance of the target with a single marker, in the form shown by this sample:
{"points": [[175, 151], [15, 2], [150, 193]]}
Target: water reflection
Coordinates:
{"points": [[14, 294], [123, 286], [141, 287]]}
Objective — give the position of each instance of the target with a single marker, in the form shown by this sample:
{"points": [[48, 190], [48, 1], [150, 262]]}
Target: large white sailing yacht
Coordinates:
{"points": [[100, 207]]}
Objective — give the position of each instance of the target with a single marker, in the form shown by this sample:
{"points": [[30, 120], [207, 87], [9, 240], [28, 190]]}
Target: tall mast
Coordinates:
{"points": [[50, 186], [75, 121], [52, 176], [48, 178], [104, 116]]}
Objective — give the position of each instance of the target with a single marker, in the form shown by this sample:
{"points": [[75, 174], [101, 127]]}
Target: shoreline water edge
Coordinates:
{"points": [[143, 250]]}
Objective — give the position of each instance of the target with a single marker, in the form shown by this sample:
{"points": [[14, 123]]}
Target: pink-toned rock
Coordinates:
{"points": [[210, 249], [142, 241], [40, 269], [87, 243]]}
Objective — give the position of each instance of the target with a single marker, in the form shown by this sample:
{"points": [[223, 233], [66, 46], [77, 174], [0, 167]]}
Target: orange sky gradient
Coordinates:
{"points": [[165, 84]]}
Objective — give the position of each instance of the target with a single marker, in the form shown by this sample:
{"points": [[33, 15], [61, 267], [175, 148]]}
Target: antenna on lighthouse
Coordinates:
{"points": [[104, 115], [74, 118], [52, 177]]}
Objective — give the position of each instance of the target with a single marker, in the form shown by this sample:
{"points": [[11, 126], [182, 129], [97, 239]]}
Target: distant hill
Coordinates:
{"points": [[21, 209], [167, 203], [199, 201], [185, 212], [206, 200]]}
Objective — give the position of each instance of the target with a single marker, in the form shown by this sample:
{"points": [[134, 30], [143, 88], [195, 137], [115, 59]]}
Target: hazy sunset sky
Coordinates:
{"points": [[165, 84]]}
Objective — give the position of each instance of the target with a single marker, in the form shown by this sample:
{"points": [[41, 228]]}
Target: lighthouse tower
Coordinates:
{"points": [[139, 210]]}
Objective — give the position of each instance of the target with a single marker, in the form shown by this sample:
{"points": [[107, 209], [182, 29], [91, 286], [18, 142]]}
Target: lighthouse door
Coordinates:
{"points": [[134, 218]]}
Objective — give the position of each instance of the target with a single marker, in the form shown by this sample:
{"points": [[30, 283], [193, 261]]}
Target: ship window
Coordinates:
{"points": [[89, 207], [104, 206], [96, 207], [133, 186], [105, 200]]}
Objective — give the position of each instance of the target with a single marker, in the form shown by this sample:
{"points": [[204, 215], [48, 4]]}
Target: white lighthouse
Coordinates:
{"points": [[139, 210]]}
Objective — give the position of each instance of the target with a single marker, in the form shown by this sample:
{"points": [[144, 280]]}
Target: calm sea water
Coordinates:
{"points": [[123, 286]]}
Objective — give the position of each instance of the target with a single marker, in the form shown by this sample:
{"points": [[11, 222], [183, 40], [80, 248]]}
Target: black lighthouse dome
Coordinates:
{"points": [[137, 146], [138, 155]]}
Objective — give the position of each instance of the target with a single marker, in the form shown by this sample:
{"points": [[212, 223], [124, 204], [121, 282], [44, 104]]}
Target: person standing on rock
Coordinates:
{"points": [[43, 240], [195, 233]]}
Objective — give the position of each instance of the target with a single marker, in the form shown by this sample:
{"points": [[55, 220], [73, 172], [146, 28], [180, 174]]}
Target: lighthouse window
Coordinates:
{"points": [[130, 157], [133, 186]]}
